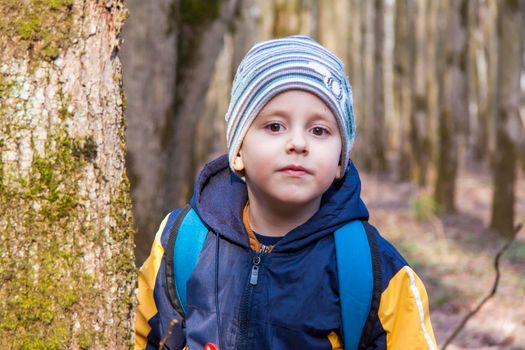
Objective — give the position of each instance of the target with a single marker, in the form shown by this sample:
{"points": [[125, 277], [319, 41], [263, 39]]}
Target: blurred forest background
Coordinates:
{"points": [[439, 93], [108, 110]]}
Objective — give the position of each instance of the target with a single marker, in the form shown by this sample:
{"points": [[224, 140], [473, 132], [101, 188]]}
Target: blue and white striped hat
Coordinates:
{"points": [[294, 62]]}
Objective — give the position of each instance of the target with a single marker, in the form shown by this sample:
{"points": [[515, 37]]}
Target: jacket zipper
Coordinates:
{"points": [[244, 311]]}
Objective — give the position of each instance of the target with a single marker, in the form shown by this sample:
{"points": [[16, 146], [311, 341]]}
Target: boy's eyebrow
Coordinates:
{"points": [[284, 113], [278, 111]]}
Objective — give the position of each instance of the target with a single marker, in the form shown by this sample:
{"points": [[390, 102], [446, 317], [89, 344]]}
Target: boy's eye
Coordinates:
{"points": [[274, 127], [319, 131]]}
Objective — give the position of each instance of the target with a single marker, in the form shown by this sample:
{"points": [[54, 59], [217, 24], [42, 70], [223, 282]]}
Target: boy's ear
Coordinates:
{"points": [[339, 172], [238, 163]]}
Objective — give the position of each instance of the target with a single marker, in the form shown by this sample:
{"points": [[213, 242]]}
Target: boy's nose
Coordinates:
{"points": [[297, 143]]}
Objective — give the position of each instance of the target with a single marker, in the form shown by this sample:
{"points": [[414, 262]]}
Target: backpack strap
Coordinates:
{"points": [[185, 242], [356, 281]]}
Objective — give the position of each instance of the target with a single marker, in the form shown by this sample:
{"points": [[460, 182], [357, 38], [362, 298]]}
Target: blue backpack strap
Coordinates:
{"points": [[185, 243], [356, 280]]}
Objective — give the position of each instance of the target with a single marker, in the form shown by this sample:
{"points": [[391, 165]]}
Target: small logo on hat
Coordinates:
{"points": [[332, 83]]}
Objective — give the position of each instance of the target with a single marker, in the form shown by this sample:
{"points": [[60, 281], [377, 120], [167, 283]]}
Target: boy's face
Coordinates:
{"points": [[291, 152]]}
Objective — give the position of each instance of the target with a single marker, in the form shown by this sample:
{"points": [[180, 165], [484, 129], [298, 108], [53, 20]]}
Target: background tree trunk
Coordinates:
{"points": [[333, 21], [354, 64], [486, 62], [151, 37], [287, 15], [420, 116], [454, 104], [66, 246], [403, 71], [202, 29], [364, 152], [508, 124], [378, 134]]}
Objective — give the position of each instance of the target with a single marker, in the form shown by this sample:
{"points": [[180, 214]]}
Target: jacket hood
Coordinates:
{"points": [[220, 195]]}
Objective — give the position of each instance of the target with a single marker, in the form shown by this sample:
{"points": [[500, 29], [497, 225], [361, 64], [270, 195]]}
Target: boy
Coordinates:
{"points": [[266, 277]]}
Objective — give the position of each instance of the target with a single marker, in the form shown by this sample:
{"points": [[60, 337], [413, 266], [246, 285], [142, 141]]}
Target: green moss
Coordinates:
{"points": [[29, 28], [40, 28], [122, 231], [50, 52], [85, 340], [40, 290], [198, 12], [42, 277]]}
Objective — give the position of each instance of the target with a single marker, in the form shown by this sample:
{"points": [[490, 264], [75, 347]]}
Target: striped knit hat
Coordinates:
{"points": [[294, 62]]}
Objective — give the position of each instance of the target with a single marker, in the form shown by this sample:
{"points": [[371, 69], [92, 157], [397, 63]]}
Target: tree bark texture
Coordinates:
{"points": [[454, 103], [508, 124], [201, 32], [66, 240], [149, 58]]}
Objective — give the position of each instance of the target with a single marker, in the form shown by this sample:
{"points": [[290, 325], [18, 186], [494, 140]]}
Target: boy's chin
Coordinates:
{"points": [[296, 200]]}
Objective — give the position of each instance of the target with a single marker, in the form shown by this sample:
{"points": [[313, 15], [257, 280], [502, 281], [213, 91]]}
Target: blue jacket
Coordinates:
{"points": [[295, 302]]}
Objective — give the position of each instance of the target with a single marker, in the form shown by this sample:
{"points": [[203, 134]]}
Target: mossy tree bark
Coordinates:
{"points": [[508, 125], [454, 103], [66, 238]]}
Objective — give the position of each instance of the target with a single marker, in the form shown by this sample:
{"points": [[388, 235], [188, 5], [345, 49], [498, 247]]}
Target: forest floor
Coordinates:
{"points": [[454, 256]]}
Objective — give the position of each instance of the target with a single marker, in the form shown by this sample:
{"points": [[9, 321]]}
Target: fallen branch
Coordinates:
{"points": [[167, 334], [492, 292]]}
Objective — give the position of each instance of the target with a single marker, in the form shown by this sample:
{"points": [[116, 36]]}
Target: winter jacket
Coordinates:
{"points": [[295, 301]]}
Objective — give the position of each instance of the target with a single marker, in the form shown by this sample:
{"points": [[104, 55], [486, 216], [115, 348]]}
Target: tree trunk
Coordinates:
{"points": [[66, 247], [333, 21], [287, 17], [201, 36], [521, 142], [354, 60], [150, 36], [377, 132], [433, 91], [454, 104], [484, 139], [403, 70], [510, 50], [420, 116]]}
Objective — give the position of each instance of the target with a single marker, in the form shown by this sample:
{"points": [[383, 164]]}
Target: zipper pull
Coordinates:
{"points": [[255, 270]]}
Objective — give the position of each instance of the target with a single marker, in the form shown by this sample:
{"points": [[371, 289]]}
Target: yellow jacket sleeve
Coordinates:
{"points": [[147, 276], [404, 313]]}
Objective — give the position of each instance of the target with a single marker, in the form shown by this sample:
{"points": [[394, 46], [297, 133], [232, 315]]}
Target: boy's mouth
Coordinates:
{"points": [[294, 170]]}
